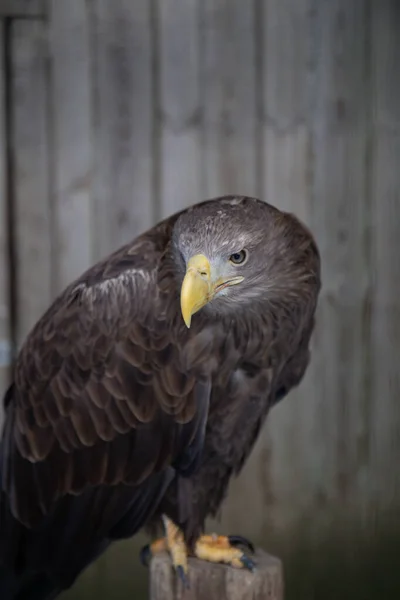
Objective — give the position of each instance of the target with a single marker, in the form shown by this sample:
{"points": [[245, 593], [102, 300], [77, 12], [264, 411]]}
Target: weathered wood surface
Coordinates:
{"points": [[384, 239], [31, 172], [229, 88], [284, 85], [124, 173], [208, 581], [286, 181], [177, 47], [5, 308], [339, 139], [72, 140], [317, 449], [22, 8]]}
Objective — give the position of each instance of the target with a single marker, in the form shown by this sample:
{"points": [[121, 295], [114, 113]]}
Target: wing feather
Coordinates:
{"points": [[99, 396]]}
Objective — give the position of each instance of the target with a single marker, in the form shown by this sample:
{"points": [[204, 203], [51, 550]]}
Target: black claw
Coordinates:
{"points": [[145, 555], [238, 540], [248, 563], [182, 576]]}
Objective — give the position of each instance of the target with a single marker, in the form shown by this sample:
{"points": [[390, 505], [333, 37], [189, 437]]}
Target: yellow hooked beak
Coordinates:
{"points": [[198, 286]]}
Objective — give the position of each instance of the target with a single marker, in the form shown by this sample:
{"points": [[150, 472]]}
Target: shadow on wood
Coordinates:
{"points": [[208, 581]]}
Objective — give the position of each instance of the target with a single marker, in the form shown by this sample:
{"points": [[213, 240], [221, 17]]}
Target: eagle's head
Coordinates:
{"points": [[238, 253]]}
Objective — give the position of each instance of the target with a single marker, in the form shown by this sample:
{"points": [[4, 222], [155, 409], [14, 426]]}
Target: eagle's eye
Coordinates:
{"points": [[238, 258]]}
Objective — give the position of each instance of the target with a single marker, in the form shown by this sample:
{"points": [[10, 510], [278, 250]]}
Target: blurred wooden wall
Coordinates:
{"points": [[114, 113]]}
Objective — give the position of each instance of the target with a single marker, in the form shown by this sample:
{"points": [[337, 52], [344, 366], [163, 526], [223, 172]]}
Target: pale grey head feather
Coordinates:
{"points": [[220, 228]]}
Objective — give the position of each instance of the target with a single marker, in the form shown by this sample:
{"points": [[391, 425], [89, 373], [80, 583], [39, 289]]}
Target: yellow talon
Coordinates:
{"points": [[177, 547], [210, 547], [219, 549]]}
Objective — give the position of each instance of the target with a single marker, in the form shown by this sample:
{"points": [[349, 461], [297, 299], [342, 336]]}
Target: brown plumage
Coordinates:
{"points": [[118, 412]]}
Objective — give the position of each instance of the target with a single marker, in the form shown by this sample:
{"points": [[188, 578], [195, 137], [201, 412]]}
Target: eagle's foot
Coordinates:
{"points": [[173, 542], [224, 549], [212, 548]]}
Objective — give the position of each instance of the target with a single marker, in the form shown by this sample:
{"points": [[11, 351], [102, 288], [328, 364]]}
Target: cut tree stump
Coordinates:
{"points": [[208, 581]]}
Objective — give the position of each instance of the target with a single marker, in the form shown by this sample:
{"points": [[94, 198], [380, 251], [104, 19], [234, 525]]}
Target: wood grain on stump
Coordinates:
{"points": [[208, 581]]}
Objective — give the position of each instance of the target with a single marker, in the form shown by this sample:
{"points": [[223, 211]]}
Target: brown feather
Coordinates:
{"points": [[115, 402]]}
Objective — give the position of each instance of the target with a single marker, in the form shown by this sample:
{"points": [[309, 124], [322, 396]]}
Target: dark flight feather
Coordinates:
{"points": [[118, 413]]}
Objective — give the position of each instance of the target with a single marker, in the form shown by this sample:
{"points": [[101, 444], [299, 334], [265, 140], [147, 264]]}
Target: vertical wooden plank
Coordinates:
{"points": [[30, 156], [341, 220], [72, 135], [286, 183], [22, 8], [5, 312], [179, 104], [278, 467], [123, 122], [386, 250], [228, 76], [314, 454], [286, 132]]}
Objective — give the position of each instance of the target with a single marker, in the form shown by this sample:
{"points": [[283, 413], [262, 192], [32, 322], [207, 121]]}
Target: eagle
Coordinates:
{"points": [[141, 391]]}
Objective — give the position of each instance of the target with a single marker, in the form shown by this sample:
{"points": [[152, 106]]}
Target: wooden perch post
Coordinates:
{"points": [[210, 581]]}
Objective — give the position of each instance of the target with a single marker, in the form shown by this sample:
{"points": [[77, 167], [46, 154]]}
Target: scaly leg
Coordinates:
{"points": [[174, 543], [213, 548]]}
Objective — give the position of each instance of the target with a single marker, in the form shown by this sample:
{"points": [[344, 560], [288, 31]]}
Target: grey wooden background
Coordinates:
{"points": [[114, 113]]}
